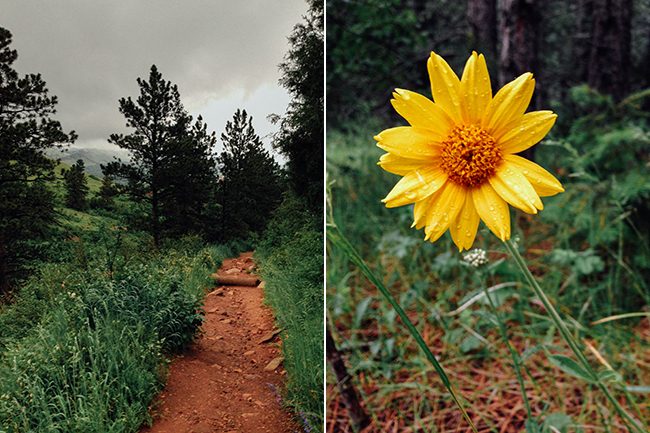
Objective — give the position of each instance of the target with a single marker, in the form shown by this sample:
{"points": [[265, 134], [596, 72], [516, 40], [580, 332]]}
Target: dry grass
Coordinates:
{"points": [[490, 389]]}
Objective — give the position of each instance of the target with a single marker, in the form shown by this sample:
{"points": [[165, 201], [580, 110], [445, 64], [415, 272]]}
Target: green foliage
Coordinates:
{"points": [[76, 186], [374, 46], [26, 130], [249, 187], [83, 349], [290, 257], [605, 211], [105, 197], [165, 310], [77, 378], [172, 168], [300, 138]]}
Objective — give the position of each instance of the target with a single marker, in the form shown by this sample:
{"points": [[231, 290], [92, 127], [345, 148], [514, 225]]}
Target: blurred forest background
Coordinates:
{"points": [[590, 246]]}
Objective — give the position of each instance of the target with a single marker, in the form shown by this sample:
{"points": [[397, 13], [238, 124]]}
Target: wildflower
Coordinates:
{"points": [[458, 157], [476, 257]]}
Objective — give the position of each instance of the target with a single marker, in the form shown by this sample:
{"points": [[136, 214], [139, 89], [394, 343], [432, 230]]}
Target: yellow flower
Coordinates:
{"points": [[458, 157]]}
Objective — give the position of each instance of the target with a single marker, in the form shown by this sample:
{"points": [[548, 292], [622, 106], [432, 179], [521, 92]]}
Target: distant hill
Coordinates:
{"points": [[92, 157]]}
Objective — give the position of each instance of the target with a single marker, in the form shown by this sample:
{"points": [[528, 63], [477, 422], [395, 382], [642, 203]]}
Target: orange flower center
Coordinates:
{"points": [[469, 155]]}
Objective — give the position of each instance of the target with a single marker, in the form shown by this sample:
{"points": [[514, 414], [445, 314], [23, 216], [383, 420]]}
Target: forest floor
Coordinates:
{"points": [[229, 379]]}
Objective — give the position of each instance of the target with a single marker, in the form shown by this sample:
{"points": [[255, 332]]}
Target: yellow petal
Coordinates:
{"points": [[420, 214], [514, 188], [422, 113], [408, 142], [525, 132], [492, 209], [444, 206], [543, 182], [463, 229], [508, 104], [398, 164], [444, 86], [416, 186], [475, 89]]}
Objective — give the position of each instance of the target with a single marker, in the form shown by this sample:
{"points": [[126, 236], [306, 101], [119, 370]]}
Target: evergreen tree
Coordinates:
{"points": [[194, 171], [76, 186], [26, 130], [170, 159], [301, 130], [249, 187], [105, 197]]}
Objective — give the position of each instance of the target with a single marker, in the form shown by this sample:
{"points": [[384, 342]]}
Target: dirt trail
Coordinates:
{"points": [[224, 382]]}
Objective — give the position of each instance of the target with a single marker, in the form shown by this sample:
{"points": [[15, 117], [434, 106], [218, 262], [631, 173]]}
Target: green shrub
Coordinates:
{"points": [[173, 315], [88, 354]]}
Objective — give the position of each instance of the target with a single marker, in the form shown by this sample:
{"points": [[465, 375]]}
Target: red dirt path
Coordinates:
{"points": [[220, 384]]}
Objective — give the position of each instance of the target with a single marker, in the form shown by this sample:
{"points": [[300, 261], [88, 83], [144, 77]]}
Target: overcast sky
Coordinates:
{"points": [[222, 54]]}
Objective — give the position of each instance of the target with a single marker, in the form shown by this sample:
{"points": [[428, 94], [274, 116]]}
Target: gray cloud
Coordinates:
{"points": [[91, 52]]}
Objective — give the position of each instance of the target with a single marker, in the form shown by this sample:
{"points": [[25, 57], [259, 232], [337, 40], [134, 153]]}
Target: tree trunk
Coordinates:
{"points": [[519, 30], [611, 42], [581, 43], [236, 280], [482, 18]]}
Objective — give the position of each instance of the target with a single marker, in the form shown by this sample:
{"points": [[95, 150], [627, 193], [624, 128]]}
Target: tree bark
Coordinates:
{"points": [[482, 18], [611, 45], [519, 29], [236, 280], [358, 416]]}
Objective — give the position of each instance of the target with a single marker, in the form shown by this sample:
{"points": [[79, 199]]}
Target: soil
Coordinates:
{"points": [[227, 381]]}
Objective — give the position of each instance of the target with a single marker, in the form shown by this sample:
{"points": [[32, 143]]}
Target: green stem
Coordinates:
{"points": [[573, 345], [337, 238]]}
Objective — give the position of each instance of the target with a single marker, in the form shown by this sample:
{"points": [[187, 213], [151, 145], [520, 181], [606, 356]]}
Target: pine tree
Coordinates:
{"points": [[170, 159], [26, 130], [76, 186], [301, 130], [105, 197], [194, 178], [249, 187]]}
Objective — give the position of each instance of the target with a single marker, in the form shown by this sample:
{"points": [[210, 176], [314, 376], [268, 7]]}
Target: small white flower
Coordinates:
{"points": [[476, 257]]}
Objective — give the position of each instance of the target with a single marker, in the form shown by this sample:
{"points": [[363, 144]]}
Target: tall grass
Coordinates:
{"points": [[291, 264], [90, 355]]}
